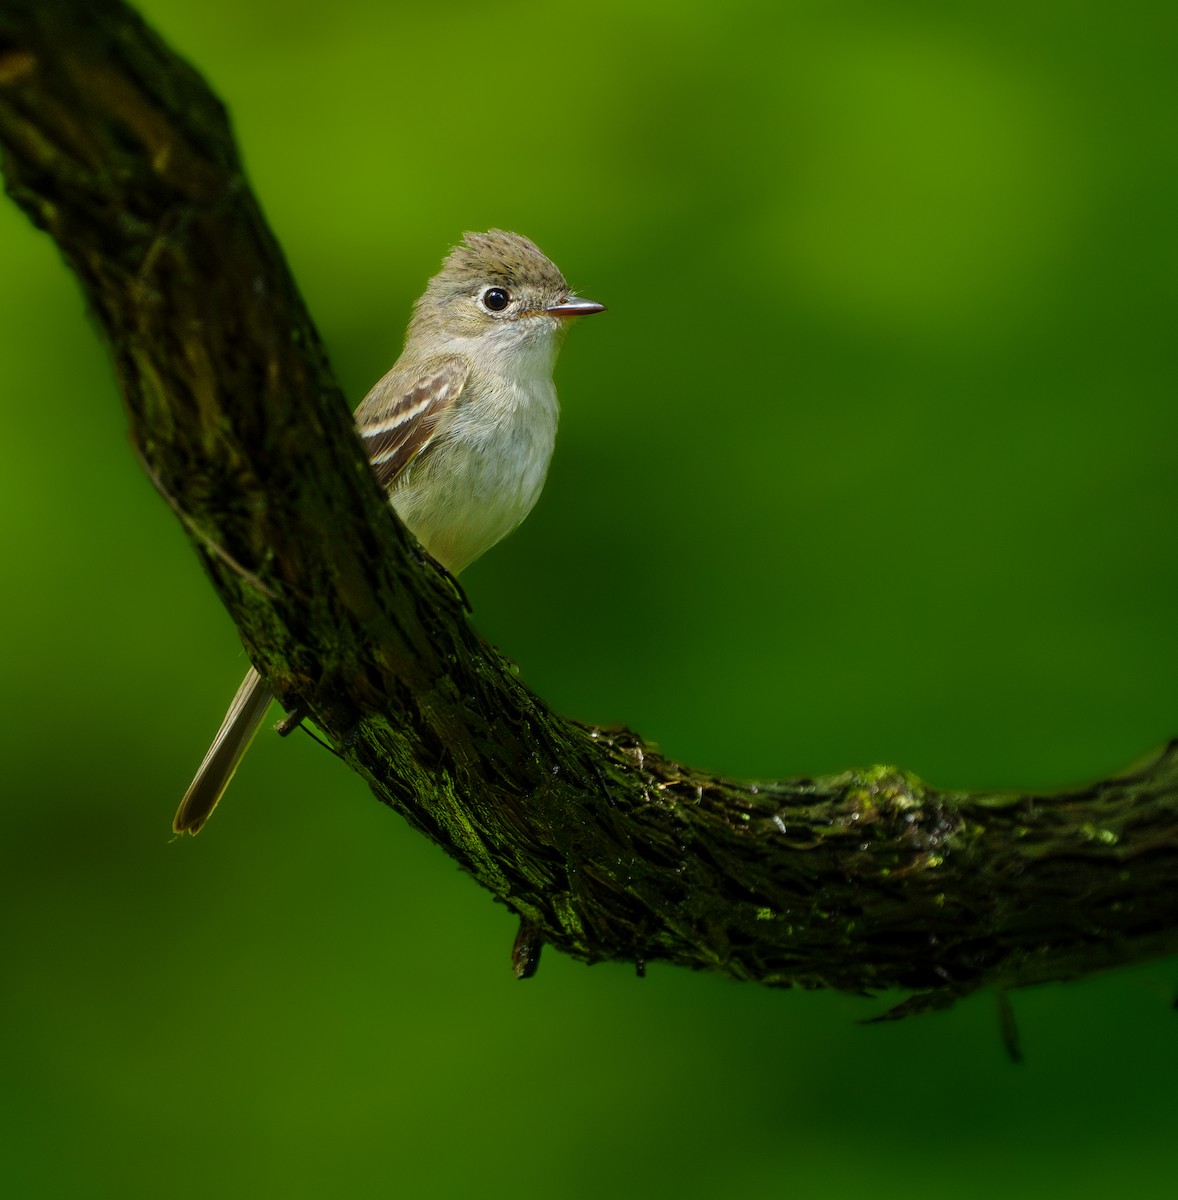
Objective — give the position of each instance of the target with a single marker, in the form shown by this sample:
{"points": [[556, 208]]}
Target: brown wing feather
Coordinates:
{"points": [[397, 422]]}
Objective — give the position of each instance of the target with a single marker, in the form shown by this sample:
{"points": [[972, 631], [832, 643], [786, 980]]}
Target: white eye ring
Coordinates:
{"points": [[496, 299]]}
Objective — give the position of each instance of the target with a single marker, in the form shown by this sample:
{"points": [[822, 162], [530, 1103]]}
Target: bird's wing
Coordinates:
{"points": [[402, 414]]}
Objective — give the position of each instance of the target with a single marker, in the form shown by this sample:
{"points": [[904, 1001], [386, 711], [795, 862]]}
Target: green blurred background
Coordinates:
{"points": [[872, 459]]}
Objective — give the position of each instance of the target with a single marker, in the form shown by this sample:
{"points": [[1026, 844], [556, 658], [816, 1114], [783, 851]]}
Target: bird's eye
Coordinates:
{"points": [[496, 299]]}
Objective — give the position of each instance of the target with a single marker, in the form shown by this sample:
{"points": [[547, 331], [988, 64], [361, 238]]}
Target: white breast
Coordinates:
{"points": [[486, 470]]}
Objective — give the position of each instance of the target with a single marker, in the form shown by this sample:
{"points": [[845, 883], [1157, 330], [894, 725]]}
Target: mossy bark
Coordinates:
{"points": [[866, 880]]}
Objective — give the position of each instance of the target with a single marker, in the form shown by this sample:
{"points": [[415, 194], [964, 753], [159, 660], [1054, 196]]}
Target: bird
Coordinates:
{"points": [[459, 432]]}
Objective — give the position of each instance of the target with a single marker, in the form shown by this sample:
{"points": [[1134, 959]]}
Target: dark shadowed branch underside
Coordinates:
{"points": [[865, 880]]}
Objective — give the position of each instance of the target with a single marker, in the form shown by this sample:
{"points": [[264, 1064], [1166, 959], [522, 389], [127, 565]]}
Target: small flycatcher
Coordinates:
{"points": [[460, 432]]}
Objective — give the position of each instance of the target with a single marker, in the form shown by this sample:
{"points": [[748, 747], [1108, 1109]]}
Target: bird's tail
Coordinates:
{"points": [[232, 741]]}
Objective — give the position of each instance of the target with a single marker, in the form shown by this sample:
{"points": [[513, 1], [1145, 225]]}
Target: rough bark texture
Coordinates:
{"points": [[863, 881]]}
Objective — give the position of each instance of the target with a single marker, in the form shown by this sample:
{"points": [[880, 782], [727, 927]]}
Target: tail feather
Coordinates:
{"points": [[229, 746]]}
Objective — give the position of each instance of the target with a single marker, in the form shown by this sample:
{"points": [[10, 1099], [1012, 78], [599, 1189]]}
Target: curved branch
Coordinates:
{"points": [[864, 880]]}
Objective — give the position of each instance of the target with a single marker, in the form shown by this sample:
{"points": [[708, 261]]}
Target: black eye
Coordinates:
{"points": [[496, 299]]}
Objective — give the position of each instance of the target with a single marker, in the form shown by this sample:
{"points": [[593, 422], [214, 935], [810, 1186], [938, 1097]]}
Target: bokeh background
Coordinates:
{"points": [[871, 460]]}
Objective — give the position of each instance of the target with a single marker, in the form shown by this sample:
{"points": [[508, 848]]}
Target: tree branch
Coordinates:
{"points": [[864, 880]]}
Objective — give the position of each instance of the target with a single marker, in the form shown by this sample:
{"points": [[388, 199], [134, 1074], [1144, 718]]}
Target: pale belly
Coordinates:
{"points": [[479, 482]]}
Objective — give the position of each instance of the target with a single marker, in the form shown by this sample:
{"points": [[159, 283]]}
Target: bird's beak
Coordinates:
{"points": [[574, 306]]}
